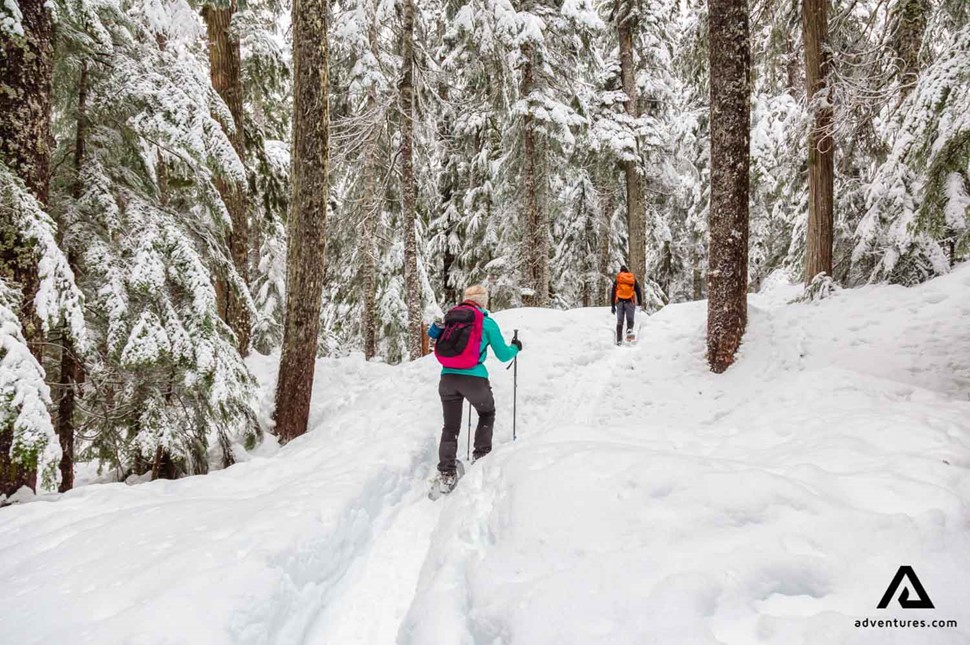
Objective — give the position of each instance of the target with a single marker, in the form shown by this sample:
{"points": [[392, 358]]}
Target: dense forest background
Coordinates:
{"points": [[144, 228]]}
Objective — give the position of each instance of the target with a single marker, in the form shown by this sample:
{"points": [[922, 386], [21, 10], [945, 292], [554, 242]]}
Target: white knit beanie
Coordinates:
{"points": [[479, 294]]}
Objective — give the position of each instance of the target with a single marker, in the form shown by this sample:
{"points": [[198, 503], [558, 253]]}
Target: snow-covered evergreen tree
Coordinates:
{"points": [[916, 222], [27, 436], [142, 215]]}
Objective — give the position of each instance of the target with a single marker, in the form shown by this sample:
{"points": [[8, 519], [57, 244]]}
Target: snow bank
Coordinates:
{"points": [[646, 500]]}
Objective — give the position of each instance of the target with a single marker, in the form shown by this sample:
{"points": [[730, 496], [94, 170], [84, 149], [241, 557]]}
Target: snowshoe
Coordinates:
{"points": [[444, 483]]}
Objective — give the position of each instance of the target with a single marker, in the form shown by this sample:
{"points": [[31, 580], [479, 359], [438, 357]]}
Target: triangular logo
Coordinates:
{"points": [[922, 600]]}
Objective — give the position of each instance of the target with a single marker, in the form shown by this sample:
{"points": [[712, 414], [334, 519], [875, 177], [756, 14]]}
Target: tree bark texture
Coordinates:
{"points": [[372, 209], [373, 198], [536, 225], [71, 376], [636, 214], [225, 69], [306, 230], [606, 220], [412, 286], [727, 273], [26, 67], [821, 147]]}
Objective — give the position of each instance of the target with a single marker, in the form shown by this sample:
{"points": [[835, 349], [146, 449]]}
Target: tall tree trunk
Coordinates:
{"points": [[821, 147], [225, 68], [26, 67], [727, 274], [587, 211], [537, 227], [306, 230], [636, 214], [448, 258], [72, 372], [697, 280], [412, 286], [373, 199], [606, 221], [72, 375]]}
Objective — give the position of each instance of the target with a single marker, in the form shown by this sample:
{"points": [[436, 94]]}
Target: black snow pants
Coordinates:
{"points": [[454, 390], [624, 309]]}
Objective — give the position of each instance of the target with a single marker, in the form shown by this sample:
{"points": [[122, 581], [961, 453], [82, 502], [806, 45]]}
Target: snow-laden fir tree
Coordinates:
{"points": [[29, 446], [916, 222], [140, 209]]}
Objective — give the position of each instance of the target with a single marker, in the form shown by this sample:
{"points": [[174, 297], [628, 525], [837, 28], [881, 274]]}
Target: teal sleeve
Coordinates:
{"points": [[493, 335]]}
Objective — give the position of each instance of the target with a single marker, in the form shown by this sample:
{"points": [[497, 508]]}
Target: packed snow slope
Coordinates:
{"points": [[645, 501]]}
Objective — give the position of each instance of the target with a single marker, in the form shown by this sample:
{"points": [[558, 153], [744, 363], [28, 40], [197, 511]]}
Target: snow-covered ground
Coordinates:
{"points": [[645, 501]]}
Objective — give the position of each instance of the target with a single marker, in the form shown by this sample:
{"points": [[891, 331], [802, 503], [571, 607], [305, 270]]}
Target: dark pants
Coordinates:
{"points": [[454, 390], [624, 309]]}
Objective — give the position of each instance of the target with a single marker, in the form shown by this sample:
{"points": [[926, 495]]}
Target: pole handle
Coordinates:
{"points": [[515, 336]]}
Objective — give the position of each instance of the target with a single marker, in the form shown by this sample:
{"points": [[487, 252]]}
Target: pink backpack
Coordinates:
{"points": [[460, 343]]}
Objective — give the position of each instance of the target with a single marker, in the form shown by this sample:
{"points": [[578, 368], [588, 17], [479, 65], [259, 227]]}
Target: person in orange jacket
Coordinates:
{"points": [[624, 298]]}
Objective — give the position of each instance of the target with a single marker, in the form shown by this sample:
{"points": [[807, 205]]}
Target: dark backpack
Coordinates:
{"points": [[459, 345]]}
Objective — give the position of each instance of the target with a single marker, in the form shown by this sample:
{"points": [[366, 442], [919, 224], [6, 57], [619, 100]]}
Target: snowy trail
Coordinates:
{"points": [[373, 598], [370, 604], [646, 500]]}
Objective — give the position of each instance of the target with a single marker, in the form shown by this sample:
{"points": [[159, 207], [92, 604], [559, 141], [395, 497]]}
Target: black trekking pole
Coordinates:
{"points": [[515, 383], [468, 456]]}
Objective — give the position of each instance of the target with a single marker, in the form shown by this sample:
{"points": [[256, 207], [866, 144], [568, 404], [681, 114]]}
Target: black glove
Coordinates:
{"points": [[516, 343], [613, 309]]}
